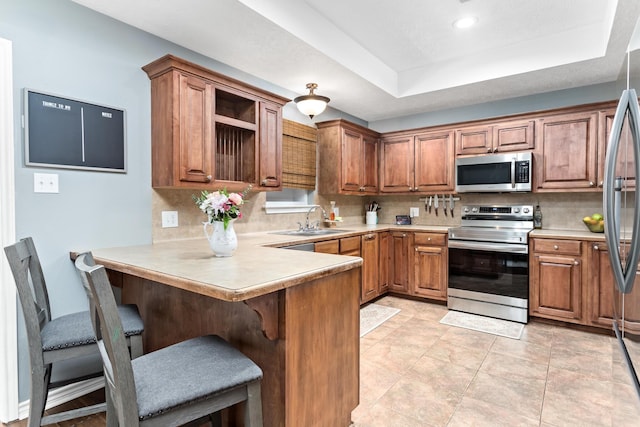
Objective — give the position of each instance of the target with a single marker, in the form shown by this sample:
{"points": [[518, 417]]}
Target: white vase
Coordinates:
{"points": [[223, 242]]}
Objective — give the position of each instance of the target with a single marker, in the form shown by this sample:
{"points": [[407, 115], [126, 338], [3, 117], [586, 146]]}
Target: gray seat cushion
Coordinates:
{"points": [[187, 372], [75, 329]]}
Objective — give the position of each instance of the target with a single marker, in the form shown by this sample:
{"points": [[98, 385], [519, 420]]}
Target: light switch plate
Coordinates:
{"points": [[414, 212], [169, 219], [45, 183]]}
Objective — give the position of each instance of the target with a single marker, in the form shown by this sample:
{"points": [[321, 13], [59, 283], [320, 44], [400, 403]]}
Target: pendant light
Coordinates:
{"points": [[311, 104]]}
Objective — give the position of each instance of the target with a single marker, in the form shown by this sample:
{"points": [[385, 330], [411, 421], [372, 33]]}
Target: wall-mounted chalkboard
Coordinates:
{"points": [[68, 133]]}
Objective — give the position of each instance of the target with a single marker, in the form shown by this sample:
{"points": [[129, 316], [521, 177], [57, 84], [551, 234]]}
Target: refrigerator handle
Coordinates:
{"points": [[624, 276]]}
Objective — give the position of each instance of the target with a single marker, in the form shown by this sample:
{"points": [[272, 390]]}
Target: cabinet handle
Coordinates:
{"points": [[596, 247], [591, 184], [263, 182], [556, 247], [489, 150], [601, 183], [208, 178], [495, 150], [369, 237], [576, 262], [404, 234]]}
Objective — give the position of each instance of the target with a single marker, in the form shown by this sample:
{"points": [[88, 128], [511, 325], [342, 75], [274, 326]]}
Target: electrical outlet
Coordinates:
{"points": [[45, 183], [169, 219], [414, 212]]}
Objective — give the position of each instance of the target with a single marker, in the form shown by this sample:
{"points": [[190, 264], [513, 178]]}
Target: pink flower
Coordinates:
{"points": [[235, 198]]}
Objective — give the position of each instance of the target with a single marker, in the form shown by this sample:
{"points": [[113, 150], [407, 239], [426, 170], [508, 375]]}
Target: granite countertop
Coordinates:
{"points": [[258, 267]]}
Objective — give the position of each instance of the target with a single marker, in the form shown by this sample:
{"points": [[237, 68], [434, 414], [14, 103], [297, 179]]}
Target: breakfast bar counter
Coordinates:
{"points": [[296, 314]]}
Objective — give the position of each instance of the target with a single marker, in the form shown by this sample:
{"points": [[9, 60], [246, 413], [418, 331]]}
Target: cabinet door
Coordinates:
{"points": [[351, 160], [566, 148], [513, 136], [430, 269], [385, 261], [474, 140], [556, 290], [196, 143], [625, 164], [601, 292], [270, 175], [369, 171], [350, 246], [396, 165], [399, 267], [433, 167], [370, 253]]}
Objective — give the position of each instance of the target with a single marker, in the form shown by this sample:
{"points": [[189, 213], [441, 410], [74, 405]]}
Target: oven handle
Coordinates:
{"points": [[513, 172], [489, 247]]}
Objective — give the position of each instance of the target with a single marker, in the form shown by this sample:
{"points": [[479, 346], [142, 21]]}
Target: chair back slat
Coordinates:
{"points": [[27, 274], [111, 340]]}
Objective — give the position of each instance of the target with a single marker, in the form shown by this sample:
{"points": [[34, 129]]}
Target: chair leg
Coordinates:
{"points": [[135, 344], [253, 408], [112, 416], [38, 398]]}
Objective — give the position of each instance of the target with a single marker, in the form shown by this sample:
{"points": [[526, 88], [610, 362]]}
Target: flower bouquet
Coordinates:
{"points": [[221, 205]]}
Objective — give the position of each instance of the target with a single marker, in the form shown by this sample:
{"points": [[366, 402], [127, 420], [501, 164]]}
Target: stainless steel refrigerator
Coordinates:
{"points": [[622, 228]]}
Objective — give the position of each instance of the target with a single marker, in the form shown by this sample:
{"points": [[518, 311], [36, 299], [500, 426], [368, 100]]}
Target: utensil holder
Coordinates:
{"points": [[371, 218]]}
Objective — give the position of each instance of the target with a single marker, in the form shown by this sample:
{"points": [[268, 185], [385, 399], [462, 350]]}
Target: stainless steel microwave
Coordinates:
{"points": [[496, 173]]}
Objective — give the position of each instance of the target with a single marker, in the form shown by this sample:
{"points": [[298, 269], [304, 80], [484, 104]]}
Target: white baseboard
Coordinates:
{"points": [[64, 394]]}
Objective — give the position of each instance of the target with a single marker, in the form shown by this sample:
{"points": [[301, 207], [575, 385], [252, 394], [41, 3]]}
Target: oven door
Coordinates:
{"points": [[489, 278]]}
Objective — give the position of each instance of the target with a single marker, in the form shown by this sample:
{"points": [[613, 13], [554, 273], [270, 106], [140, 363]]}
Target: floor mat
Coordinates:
{"points": [[375, 315], [504, 328]]}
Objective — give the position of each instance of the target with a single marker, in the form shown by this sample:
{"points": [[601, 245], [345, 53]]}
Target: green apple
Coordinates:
{"points": [[596, 216]]}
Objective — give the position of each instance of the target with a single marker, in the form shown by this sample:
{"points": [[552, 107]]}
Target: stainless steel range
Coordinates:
{"points": [[488, 262]]}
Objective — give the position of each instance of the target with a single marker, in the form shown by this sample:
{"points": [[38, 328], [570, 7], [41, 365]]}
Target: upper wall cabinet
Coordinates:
{"points": [[211, 131], [499, 137], [566, 152], [348, 158], [625, 165], [417, 162]]}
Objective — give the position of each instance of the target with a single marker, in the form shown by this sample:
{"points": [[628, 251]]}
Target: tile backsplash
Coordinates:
{"points": [[560, 211]]}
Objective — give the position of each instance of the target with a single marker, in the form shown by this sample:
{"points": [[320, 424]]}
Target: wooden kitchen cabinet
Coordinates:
{"points": [[210, 131], [430, 265], [370, 252], [328, 247], [421, 163], [625, 165], [566, 149], [401, 243], [348, 158], [384, 261], [556, 290], [600, 284], [517, 135]]}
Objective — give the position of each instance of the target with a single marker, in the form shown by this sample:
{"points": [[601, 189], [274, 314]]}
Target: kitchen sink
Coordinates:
{"points": [[317, 232]]}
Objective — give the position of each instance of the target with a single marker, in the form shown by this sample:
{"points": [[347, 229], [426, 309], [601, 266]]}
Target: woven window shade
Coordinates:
{"points": [[298, 155]]}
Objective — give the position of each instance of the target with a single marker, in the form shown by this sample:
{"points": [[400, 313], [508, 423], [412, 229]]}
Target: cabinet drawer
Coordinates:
{"points": [[567, 247], [328, 247], [350, 244], [438, 239]]}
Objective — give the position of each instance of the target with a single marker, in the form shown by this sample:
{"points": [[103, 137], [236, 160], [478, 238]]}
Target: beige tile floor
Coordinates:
{"points": [[415, 371]]}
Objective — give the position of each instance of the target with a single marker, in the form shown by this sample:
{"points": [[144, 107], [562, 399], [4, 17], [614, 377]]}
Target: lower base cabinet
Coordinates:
{"points": [[370, 253], [401, 243], [430, 266], [556, 280]]}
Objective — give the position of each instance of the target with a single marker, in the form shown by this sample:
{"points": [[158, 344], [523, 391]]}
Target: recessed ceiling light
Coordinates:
{"points": [[466, 22]]}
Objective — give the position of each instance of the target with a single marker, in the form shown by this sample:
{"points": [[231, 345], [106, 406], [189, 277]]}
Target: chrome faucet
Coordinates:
{"points": [[307, 224]]}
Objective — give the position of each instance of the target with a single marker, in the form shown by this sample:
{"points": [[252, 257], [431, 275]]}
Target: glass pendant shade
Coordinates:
{"points": [[311, 104]]}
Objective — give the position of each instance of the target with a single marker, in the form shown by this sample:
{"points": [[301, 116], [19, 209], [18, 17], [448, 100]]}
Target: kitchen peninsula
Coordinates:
{"points": [[296, 314]]}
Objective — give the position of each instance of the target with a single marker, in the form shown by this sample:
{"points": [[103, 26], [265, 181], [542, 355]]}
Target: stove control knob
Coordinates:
{"points": [[474, 210], [516, 210], [466, 210], [525, 210]]}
